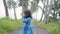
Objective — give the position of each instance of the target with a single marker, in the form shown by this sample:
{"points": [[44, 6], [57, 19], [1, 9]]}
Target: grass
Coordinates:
{"points": [[7, 25], [54, 28]]}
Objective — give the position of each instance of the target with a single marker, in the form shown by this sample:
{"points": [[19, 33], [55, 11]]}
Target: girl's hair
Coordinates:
{"points": [[27, 13]]}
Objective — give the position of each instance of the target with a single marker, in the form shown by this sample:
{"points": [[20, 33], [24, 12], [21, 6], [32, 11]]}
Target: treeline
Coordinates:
{"points": [[50, 7]]}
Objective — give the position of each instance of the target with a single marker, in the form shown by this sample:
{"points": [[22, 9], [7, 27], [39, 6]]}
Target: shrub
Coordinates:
{"points": [[8, 25], [2, 31]]}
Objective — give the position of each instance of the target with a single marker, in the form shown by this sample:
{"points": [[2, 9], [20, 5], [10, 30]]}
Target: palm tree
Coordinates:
{"points": [[5, 8]]}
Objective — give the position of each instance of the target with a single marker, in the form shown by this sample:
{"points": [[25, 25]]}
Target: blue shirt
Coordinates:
{"points": [[27, 21], [27, 27]]}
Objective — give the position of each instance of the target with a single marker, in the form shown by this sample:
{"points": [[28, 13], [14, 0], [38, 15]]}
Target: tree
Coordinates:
{"points": [[5, 8], [12, 4], [55, 7], [24, 4], [46, 10], [48, 6], [42, 10], [34, 5]]}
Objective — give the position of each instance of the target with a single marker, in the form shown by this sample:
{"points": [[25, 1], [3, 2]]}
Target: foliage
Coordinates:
{"points": [[34, 6], [51, 19], [7, 25], [11, 3], [24, 4], [55, 7], [56, 4], [3, 31]]}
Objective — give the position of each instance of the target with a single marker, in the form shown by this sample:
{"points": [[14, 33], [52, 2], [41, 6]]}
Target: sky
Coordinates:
{"points": [[19, 11], [2, 10]]}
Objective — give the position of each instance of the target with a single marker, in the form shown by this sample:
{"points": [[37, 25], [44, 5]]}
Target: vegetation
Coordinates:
{"points": [[49, 23], [49, 6], [52, 27], [12, 4], [7, 25], [24, 4]]}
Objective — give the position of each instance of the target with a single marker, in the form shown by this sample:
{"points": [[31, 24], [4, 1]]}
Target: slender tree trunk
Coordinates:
{"points": [[42, 11], [15, 13], [5, 8], [54, 15], [46, 12], [42, 16]]}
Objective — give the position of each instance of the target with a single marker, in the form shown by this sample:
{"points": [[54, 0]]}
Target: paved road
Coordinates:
{"points": [[37, 30]]}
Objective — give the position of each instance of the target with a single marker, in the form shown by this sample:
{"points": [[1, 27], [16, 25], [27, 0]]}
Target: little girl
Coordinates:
{"points": [[26, 18]]}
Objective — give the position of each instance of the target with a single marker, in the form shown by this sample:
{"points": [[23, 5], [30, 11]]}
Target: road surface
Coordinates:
{"points": [[37, 30]]}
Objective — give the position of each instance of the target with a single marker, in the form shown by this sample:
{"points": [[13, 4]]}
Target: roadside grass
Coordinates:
{"points": [[52, 27], [7, 25]]}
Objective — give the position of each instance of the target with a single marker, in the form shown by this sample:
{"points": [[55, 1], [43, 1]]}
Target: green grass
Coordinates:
{"points": [[7, 25], [54, 28]]}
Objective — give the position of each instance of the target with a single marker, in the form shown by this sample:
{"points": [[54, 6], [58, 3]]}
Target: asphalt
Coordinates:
{"points": [[37, 30]]}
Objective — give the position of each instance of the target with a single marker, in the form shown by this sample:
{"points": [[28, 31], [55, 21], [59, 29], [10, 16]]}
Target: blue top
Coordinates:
{"points": [[27, 21], [27, 27]]}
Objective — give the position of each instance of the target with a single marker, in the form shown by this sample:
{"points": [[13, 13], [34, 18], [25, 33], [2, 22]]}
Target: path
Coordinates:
{"points": [[37, 30]]}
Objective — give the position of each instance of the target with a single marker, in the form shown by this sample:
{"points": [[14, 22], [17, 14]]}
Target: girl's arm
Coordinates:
{"points": [[25, 20]]}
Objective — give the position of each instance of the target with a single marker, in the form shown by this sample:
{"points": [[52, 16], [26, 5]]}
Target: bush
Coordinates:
{"points": [[8, 25], [2, 31]]}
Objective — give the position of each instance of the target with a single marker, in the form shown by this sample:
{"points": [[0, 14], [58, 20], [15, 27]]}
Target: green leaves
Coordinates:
{"points": [[33, 6], [56, 5], [24, 4], [11, 3]]}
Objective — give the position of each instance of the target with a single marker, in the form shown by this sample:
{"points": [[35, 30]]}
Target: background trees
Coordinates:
{"points": [[12, 4], [48, 7], [50, 13]]}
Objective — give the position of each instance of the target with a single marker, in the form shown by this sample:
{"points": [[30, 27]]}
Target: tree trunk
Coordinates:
{"points": [[46, 12], [5, 8], [15, 13], [42, 16]]}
